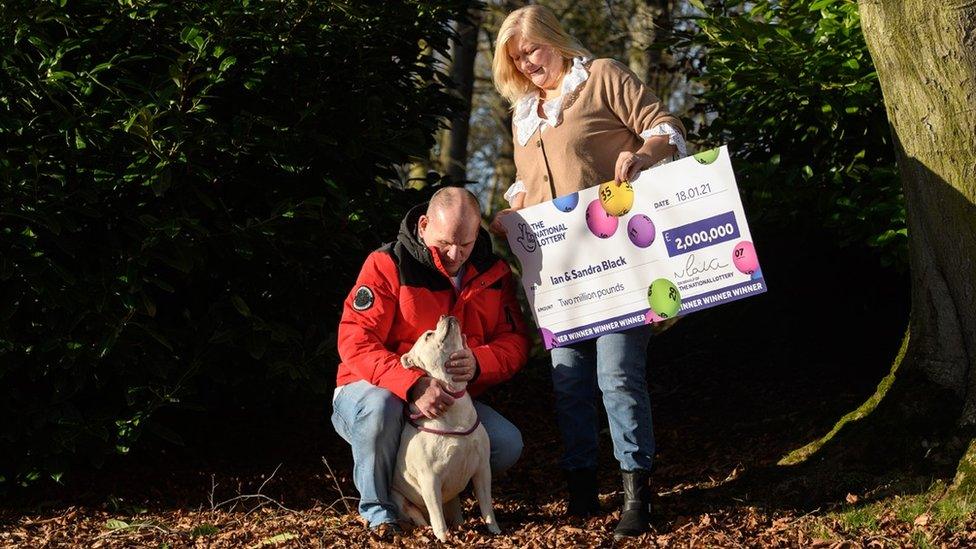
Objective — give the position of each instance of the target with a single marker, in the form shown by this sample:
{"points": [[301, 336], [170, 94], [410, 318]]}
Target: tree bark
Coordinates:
{"points": [[651, 22], [418, 170], [504, 172], [454, 149], [925, 55]]}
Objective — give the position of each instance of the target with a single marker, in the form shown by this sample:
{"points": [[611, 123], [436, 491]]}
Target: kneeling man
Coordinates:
{"points": [[441, 264]]}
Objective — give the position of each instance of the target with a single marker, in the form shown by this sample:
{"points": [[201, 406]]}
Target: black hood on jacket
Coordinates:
{"points": [[482, 255]]}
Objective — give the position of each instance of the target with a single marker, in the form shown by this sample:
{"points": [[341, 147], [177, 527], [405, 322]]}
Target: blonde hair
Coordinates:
{"points": [[537, 24]]}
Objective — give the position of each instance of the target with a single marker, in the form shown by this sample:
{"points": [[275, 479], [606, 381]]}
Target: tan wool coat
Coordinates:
{"points": [[601, 119]]}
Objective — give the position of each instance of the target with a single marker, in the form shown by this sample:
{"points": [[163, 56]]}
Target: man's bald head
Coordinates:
{"points": [[454, 199], [451, 226]]}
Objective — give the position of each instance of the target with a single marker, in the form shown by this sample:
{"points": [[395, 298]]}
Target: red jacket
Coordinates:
{"points": [[403, 290]]}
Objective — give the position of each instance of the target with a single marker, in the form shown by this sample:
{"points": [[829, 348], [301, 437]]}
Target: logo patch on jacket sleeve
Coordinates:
{"points": [[364, 299]]}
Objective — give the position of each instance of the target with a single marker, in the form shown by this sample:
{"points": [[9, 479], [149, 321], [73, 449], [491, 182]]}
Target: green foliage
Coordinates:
{"points": [[920, 540], [116, 524], [187, 190], [792, 89], [204, 530], [858, 518], [275, 539], [955, 509], [908, 508], [920, 509]]}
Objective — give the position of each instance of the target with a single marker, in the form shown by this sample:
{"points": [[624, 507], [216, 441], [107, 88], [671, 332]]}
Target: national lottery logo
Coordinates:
{"points": [[526, 238], [532, 236]]}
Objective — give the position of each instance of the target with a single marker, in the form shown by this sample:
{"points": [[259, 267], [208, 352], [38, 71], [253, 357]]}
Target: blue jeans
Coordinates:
{"points": [[617, 363], [370, 419]]}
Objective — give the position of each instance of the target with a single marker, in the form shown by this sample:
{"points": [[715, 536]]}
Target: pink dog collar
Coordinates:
{"points": [[477, 422], [412, 419]]}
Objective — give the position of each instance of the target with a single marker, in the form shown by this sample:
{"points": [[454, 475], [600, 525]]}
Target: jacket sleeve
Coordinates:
{"points": [[506, 349], [367, 316]]}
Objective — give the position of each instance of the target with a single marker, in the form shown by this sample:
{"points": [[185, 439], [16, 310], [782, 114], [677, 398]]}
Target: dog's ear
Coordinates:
{"points": [[407, 361]]}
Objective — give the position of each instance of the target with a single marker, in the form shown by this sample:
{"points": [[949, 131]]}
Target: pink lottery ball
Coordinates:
{"points": [[650, 317], [641, 230], [744, 257], [599, 221]]}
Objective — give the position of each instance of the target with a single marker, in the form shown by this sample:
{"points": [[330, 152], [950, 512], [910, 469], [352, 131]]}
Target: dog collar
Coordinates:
{"points": [[412, 420], [418, 415], [477, 422]]}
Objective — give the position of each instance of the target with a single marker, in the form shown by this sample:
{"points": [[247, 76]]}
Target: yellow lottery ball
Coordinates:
{"points": [[617, 199]]}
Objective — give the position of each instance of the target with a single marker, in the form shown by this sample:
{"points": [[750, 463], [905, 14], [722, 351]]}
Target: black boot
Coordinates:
{"points": [[635, 515], [583, 500]]}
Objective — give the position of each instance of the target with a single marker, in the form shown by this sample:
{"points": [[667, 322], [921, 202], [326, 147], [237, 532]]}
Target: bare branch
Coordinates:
{"points": [[335, 481]]}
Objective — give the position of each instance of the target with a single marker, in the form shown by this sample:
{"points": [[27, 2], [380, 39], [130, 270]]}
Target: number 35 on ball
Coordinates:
{"points": [[617, 198]]}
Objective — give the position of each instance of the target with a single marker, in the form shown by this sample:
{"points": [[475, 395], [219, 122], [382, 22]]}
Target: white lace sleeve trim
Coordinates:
{"points": [[514, 190], [526, 116], [674, 138]]}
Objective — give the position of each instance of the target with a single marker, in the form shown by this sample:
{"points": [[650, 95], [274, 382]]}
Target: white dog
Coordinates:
{"points": [[439, 456]]}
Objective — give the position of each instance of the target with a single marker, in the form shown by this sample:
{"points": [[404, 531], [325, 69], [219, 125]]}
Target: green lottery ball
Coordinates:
{"points": [[663, 297], [707, 157]]}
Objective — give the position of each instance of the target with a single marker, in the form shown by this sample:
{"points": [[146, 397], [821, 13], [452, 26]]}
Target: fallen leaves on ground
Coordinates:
{"points": [[719, 431]]}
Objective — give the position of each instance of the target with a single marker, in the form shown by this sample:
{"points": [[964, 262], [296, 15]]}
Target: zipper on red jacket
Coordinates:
{"points": [[475, 285]]}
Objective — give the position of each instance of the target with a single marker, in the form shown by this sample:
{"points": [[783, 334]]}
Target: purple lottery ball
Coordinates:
{"points": [[548, 338], [599, 221], [566, 203], [641, 230]]}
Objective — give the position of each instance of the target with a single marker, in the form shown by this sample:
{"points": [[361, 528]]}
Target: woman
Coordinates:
{"points": [[576, 123]]}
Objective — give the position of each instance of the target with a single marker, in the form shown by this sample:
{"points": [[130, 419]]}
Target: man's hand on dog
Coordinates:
{"points": [[430, 397], [461, 364]]}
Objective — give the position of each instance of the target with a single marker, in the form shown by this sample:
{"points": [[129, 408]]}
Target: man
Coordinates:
{"points": [[440, 264]]}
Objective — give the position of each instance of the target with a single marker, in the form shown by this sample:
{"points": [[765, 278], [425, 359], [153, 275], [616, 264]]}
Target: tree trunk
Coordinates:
{"points": [[925, 55], [651, 22], [419, 169], [454, 149], [417, 174], [504, 171]]}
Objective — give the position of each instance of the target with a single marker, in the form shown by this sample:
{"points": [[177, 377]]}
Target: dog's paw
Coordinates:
{"points": [[441, 536], [494, 529]]}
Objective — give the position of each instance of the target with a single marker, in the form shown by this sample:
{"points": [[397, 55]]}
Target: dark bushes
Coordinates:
{"points": [[186, 192]]}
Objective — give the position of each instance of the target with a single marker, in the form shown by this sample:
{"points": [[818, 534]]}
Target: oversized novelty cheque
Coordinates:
{"points": [[614, 256]]}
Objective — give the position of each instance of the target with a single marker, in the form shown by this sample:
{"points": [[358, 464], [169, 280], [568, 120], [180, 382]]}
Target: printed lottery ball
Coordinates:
{"points": [[707, 157], [744, 257], [641, 230], [548, 338], [599, 221], [567, 203], [650, 317], [663, 297], [617, 199]]}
